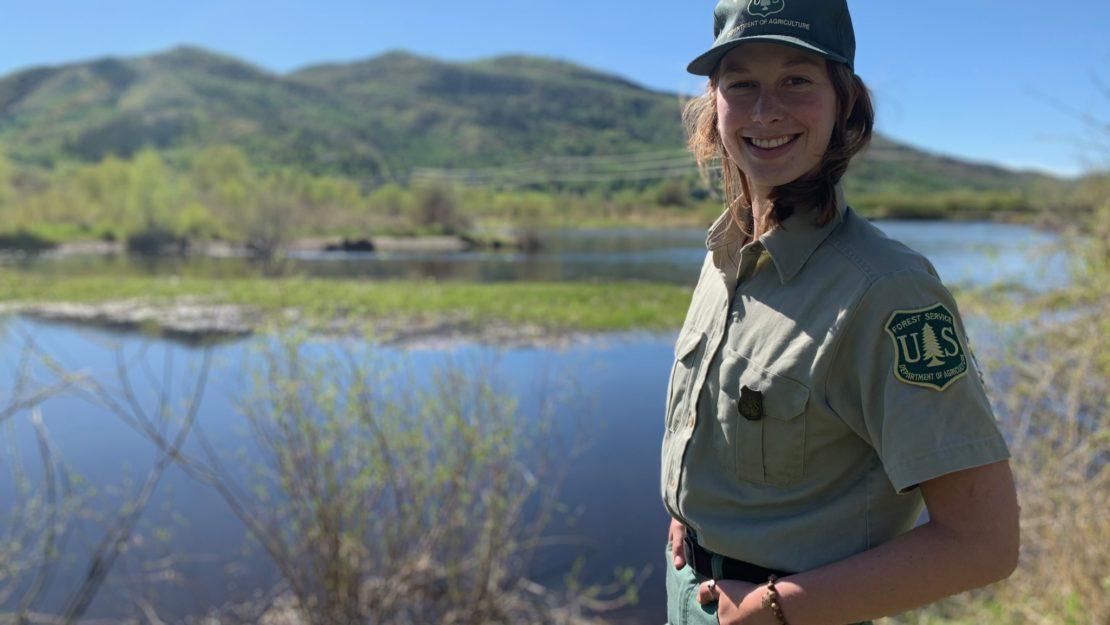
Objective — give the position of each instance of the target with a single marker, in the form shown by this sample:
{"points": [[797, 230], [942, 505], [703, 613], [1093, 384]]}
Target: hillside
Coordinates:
{"points": [[377, 120]]}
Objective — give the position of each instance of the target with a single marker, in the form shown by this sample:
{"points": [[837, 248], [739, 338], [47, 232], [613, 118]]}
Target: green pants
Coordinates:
{"points": [[682, 596]]}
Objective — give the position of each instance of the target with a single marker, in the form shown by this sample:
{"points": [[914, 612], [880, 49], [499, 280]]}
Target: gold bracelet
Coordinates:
{"points": [[773, 601]]}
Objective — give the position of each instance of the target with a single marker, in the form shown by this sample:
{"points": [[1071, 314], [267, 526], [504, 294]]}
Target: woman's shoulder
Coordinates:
{"points": [[892, 280], [875, 255]]}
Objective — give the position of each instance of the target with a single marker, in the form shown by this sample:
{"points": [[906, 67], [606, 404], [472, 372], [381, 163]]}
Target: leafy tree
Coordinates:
{"points": [[437, 208], [105, 191], [152, 194], [389, 200], [195, 222], [213, 168], [5, 178], [672, 193]]}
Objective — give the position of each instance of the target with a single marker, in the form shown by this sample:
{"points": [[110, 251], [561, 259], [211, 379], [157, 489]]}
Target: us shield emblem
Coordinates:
{"points": [[763, 8], [927, 348]]}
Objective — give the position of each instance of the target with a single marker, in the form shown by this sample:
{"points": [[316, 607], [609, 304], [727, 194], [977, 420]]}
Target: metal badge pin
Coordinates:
{"points": [[751, 403]]}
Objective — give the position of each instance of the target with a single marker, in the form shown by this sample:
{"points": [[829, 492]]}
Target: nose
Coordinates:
{"points": [[767, 107]]}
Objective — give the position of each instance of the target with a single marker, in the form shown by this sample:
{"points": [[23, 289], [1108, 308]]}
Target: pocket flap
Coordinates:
{"points": [[783, 398]]}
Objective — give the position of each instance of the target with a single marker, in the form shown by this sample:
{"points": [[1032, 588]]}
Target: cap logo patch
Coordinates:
{"points": [[763, 8], [927, 348]]}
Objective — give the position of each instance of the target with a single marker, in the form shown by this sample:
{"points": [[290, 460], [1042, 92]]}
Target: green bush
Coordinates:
{"points": [[24, 241], [156, 240]]}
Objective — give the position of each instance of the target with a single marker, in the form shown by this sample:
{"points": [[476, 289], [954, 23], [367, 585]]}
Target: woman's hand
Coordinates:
{"points": [[677, 535], [738, 603]]}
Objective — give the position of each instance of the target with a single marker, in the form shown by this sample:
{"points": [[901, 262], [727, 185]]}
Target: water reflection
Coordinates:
{"points": [[974, 254]]}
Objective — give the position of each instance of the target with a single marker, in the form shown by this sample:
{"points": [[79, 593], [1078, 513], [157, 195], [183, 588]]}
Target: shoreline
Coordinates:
{"points": [[192, 321], [371, 243], [222, 249]]}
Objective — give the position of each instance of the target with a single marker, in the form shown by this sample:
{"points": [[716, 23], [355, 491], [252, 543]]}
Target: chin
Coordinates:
{"points": [[769, 181]]}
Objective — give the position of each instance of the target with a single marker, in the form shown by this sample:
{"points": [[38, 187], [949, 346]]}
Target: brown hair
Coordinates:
{"points": [[851, 134]]}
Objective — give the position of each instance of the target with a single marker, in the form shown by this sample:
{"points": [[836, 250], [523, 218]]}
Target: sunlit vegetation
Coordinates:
{"points": [[169, 149], [1051, 382], [153, 205], [220, 196], [548, 306]]}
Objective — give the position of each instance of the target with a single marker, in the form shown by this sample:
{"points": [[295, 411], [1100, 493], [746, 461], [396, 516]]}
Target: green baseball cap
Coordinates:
{"points": [[822, 27]]}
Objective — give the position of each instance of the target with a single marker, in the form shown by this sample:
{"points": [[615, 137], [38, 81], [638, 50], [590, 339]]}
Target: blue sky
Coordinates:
{"points": [[1013, 82]]}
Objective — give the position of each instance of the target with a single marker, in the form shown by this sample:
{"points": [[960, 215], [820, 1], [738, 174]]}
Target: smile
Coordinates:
{"points": [[770, 143]]}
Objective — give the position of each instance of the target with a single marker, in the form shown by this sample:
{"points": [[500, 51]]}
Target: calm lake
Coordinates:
{"points": [[615, 382], [964, 253]]}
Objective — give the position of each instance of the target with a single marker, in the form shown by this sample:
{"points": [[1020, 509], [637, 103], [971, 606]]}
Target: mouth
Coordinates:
{"points": [[770, 146]]}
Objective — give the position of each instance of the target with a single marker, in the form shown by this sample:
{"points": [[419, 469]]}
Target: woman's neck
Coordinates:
{"points": [[762, 206]]}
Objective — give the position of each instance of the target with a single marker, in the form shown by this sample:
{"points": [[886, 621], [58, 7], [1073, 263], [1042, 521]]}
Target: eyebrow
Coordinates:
{"points": [[739, 67]]}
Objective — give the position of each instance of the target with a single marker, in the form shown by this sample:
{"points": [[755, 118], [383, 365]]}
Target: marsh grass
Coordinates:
{"points": [[565, 306]]}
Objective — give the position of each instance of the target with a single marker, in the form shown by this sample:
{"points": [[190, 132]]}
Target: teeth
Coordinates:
{"points": [[768, 144]]}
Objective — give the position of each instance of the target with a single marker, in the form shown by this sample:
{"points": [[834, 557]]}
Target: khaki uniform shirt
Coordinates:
{"points": [[821, 374]]}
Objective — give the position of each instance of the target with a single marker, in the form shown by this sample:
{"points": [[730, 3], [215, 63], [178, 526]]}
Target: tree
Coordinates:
{"points": [[151, 190], [388, 204], [214, 167], [437, 207], [5, 179], [932, 348], [104, 189]]}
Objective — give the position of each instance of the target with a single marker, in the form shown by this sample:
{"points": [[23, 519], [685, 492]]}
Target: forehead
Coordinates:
{"points": [[749, 56]]}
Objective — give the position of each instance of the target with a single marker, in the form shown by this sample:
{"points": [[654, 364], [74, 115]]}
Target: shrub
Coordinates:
{"points": [[384, 504], [155, 240], [25, 241]]}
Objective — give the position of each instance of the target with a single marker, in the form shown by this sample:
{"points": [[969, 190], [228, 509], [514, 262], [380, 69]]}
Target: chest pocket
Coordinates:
{"points": [[687, 355], [765, 414]]}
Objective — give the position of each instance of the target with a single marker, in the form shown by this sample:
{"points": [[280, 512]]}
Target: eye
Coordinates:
{"points": [[741, 84], [797, 81]]}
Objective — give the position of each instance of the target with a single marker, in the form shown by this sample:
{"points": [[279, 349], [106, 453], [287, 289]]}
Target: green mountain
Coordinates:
{"points": [[379, 119], [177, 101]]}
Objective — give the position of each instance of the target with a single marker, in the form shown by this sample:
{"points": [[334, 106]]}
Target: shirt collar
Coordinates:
{"points": [[790, 244]]}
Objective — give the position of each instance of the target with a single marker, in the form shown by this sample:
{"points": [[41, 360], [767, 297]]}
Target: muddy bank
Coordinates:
{"points": [[193, 321], [441, 244], [186, 320], [382, 244]]}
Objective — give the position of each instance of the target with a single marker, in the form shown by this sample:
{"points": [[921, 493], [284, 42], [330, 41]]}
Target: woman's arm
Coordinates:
{"points": [[970, 540]]}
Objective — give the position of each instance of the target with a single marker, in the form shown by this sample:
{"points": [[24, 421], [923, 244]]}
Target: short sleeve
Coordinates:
{"points": [[903, 377]]}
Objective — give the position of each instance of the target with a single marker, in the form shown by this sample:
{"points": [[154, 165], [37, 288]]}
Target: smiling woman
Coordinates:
{"points": [[776, 108], [820, 394]]}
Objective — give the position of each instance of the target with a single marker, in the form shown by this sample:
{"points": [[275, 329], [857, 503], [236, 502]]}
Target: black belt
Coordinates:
{"points": [[702, 561]]}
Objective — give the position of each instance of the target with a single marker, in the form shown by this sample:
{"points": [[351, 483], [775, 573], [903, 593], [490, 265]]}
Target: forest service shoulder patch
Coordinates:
{"points": [[927, 348]]}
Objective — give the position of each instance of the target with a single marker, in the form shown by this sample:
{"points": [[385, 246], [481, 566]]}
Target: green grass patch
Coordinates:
{"points": [[570, 306]]}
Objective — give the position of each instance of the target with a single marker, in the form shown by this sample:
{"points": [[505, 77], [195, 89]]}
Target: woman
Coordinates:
{"points": [[823, 390]]}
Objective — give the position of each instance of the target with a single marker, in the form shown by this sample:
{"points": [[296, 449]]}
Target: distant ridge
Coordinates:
{"points": [[380, 119]]}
